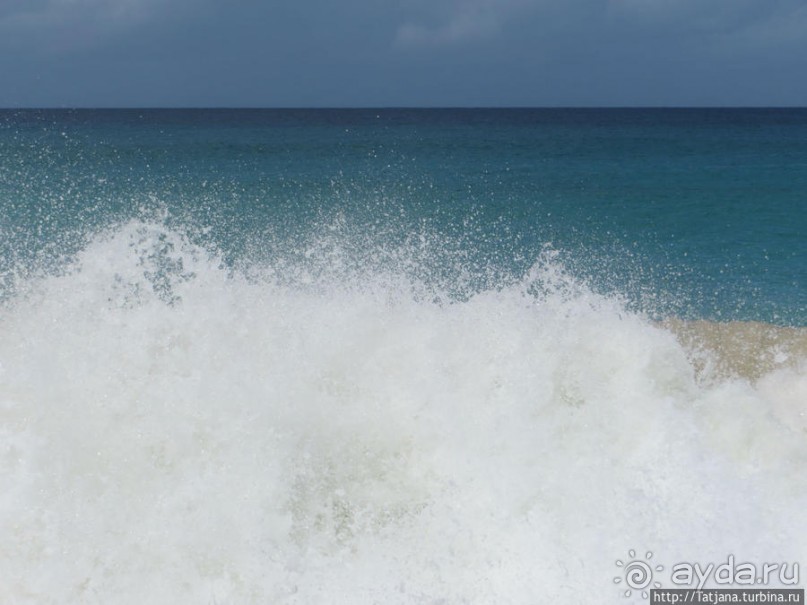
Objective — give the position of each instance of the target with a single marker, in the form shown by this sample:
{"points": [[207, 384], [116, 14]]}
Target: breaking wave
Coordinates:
{"points": [[335, 426]]}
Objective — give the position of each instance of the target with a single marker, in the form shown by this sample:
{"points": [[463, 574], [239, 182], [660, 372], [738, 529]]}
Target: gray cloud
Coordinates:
{"points": [[466, 21], [783, 27], [66, 25], [461, 21], [403, 52], [455, 21]]}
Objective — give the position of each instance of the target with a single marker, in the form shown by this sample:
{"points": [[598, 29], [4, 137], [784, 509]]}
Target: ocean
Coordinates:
{"points": [[399, 355]]}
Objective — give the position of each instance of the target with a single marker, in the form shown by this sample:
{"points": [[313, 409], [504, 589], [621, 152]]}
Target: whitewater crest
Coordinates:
{"points": [[175, 430]]}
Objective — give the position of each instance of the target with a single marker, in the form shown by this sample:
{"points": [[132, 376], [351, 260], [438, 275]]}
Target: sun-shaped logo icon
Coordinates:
{"points": [[638, 573]]}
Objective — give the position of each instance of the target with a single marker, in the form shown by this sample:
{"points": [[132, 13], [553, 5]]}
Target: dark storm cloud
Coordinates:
{"points": [[408, 52]]}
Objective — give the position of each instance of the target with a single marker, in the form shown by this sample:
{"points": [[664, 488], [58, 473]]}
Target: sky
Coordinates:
{"points": [[381, 53]]}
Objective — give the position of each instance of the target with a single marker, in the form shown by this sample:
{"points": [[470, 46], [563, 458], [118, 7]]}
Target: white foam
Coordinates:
{"points": [[171, 432]]}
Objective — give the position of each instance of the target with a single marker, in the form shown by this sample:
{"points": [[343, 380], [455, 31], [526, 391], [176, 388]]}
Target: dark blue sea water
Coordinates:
{"points": [[399, 356], [688, 212]]}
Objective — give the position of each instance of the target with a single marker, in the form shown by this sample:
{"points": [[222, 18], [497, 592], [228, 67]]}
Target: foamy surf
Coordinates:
{"points": [[176, 432]]}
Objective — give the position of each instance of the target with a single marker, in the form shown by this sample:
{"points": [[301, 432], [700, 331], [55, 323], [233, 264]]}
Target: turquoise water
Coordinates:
{"points": [[694, 213], [458, 357]]}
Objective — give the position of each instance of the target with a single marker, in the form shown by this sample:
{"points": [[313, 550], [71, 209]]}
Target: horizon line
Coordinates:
{"points": [[389, 107]]}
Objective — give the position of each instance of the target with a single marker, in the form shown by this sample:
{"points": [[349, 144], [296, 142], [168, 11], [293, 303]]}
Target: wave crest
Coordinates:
{"points": [[176, 430]]}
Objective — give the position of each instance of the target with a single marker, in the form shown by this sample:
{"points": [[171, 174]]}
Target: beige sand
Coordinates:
{"points": [[745, 349]]}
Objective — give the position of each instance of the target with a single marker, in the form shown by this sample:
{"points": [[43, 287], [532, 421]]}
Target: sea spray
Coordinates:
{"points": [[174, 430]]}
